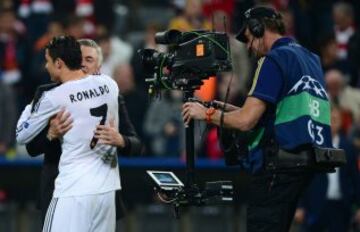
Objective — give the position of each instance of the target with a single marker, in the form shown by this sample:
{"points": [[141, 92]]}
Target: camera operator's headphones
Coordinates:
{"points": [[253, 19]]}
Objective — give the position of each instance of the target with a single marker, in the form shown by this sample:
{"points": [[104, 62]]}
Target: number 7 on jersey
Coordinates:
{"points": [[100, 111]]}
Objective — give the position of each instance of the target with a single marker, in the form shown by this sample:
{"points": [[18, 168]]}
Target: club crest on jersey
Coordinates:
{"points": [[89, 93], [307, 83], [23, 125]]}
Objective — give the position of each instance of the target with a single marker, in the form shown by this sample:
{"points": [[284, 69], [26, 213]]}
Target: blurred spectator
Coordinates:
{"points": [[239, 54], [35, 14], [90, 11], [136, 101], [238, 13], [328, 202], [149, 38], [63, 8], [235, 96], [37, 65], [355, 136], [147, 42], [6, 4], [7, 117], [115, 50], [211, 146], [346, 97], [178, 5], [354, 59], [343, 15], [329, 56], [312, 20], [74, 26], [14, 56], [11, 42], [211, 6], [163, 125], [85, 10], [288, 18], [104, 13], [191, 19], [54, 28]]}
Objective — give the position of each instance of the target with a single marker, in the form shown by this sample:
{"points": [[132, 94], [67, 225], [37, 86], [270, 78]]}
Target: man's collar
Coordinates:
{"points": [[282, 41]]}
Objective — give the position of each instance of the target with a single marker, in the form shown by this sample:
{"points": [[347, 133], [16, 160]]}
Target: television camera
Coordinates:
{"points": [[192, 57]]}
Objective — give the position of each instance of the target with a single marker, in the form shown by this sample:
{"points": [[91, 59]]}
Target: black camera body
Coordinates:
{"points": [[192, 57]]}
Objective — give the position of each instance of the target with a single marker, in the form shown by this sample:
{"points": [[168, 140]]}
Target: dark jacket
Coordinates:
{"points": [[52, 151], [315, 197]]}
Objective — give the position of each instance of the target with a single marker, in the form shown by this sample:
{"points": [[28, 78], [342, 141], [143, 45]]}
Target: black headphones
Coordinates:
{"points": [[253, 19], [256, 27]]}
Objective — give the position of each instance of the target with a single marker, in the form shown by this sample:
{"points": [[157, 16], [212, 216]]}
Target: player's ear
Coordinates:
{"points": [[58, 63]]}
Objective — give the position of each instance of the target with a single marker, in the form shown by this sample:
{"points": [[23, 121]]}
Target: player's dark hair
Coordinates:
{"points": [[66, 48]]}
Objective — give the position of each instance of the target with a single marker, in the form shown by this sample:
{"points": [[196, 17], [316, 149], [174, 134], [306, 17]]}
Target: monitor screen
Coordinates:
{"points": [[164, 178]]}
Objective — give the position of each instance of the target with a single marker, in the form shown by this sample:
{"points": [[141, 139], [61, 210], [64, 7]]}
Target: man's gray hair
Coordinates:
{"points": [[91, 43]]}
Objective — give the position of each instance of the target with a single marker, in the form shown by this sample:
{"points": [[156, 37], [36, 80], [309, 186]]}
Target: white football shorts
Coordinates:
{"points": [[90, 213]]}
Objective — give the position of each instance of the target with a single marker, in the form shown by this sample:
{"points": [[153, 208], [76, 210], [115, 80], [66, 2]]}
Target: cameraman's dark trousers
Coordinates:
{"points": [[273, 200]]}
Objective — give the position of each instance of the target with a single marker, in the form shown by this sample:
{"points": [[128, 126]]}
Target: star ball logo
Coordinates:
{"points": [[308, 83]]}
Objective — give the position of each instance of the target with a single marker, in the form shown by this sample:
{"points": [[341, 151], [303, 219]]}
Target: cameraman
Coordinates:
{"points": [[287, 109]]}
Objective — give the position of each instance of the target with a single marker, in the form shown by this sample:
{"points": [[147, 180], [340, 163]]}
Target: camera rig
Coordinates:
{"points": [[193, 57]]}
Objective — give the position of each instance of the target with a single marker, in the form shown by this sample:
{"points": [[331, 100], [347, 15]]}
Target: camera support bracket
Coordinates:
{"points": [[190, 194]]}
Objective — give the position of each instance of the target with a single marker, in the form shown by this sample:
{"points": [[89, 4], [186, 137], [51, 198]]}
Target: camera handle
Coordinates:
{"points": [[189, 145], [188, 95], [190, 194]]}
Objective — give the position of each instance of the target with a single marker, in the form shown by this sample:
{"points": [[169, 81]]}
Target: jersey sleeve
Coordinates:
{"points": [[268, 81], [31, 124]]}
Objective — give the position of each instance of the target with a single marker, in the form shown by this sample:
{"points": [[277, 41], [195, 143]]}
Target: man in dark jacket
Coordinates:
{"points": [[48, 143], [328, 202]]}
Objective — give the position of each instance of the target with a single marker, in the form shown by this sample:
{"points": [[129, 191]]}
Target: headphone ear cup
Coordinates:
{"points": [[256, 28]]}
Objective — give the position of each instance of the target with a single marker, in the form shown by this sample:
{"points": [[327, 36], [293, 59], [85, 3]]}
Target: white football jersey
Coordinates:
{"points": [[85, 167]]}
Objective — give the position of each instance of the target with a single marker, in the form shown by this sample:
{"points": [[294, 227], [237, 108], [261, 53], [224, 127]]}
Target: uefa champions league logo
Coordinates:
{"points": [[308, 83]]}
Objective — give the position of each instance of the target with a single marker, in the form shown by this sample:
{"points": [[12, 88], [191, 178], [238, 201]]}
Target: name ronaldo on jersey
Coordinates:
{"points": [[88, 94]]}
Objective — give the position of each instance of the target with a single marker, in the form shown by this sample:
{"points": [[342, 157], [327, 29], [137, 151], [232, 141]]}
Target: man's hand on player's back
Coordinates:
{"points": [[109, 134], [59, 125]]}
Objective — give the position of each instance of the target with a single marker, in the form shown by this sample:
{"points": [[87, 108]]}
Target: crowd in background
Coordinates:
{"points": [[329, 28]]}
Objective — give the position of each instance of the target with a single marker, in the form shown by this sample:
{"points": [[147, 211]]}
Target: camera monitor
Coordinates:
{"points": [[165, 179]]}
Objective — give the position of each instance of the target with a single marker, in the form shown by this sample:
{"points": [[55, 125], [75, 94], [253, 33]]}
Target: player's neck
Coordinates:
{"points": [[72, 75]]}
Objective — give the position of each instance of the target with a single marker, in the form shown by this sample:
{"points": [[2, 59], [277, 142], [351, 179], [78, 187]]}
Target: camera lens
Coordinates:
{"points": [[168, 37], [149, 58]]}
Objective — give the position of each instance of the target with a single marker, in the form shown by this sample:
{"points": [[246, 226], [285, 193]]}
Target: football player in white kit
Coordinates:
{"points": [[84, 195]]}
